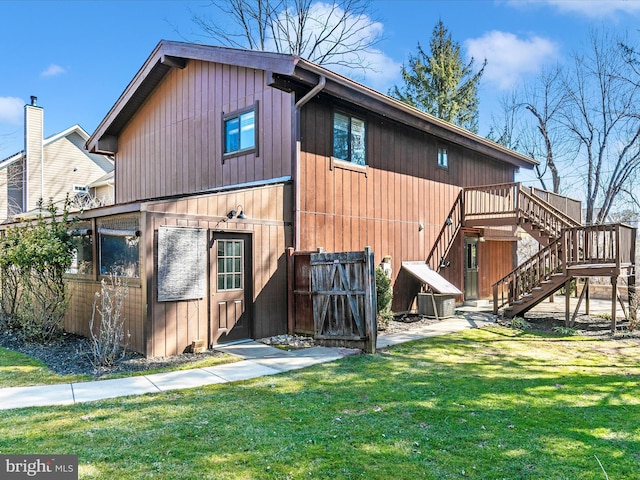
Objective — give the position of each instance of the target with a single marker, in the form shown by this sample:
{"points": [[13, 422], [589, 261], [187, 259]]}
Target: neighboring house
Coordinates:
{"points": [[227, 160], [51, 168]]}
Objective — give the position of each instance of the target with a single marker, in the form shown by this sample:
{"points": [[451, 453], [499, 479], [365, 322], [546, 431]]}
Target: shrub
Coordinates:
{"points": [[520, 323], [568, 331], [384, 297], [107, 338], [34, 258]]}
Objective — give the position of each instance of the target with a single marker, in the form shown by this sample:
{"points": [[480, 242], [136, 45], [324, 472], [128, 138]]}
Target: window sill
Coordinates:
{"points": [[337, 163], [239, 153]]}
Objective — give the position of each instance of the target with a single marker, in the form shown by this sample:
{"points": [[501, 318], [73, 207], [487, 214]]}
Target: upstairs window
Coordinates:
{"points": [[443, 158], [240, 131], [349, 139]]}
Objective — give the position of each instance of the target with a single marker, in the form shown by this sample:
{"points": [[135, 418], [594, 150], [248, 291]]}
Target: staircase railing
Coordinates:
{"points": [[543, 215], [608, 245], [529, 275], [490, 203], [447, 235]]}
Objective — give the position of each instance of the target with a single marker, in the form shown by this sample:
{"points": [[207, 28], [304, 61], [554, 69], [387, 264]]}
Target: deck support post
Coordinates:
{"points": [[586, 299], [633, 300], [614, 304], [567, 303], [582, 295]]}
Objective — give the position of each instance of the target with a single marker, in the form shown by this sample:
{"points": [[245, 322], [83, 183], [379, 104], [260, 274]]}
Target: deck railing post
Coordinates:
{"points": [[614, 305], [617, 246]]}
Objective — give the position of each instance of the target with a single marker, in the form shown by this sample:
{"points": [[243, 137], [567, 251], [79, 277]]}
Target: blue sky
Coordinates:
{"points": [[78, 56]]}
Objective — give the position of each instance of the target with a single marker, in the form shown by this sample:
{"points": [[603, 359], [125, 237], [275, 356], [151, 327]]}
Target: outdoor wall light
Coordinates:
{"points": [[235, 214], [420, 226], [448, 221], [444, 263]]}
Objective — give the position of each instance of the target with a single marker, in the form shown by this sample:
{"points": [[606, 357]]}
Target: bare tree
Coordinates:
{"points": [[583, 125], [335, 32], [530, 124], [602, 113], [545, 142]]}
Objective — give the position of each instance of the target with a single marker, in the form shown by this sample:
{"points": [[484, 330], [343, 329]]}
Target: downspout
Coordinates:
{"points": [[296, 164]]}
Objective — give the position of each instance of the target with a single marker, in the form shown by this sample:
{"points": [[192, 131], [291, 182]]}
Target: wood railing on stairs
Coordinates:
{"points": [[528, 275], [512, 203], [447, 235], [542, 215], [579, 251]]}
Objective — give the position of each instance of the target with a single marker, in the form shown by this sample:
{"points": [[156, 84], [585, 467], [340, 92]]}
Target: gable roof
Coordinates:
{"points": [[102, 161], [285, 72]]}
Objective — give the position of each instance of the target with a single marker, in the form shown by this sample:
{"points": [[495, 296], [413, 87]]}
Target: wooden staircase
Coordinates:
{"points": [[569, 249], [599, 250]]}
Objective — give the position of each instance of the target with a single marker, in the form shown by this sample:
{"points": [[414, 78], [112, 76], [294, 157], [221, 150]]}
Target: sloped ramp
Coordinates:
{"points": [[431, 278]]}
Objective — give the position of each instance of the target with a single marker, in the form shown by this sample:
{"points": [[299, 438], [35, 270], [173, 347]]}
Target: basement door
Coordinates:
{"points": [[230, 277], [470, 268]]}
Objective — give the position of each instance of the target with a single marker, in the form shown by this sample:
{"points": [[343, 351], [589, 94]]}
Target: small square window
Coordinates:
{"points": [[239, 130], [443, 158], [349, 139]]}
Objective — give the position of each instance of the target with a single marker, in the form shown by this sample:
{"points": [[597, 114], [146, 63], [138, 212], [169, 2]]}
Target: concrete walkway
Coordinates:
{"points": [[258, 360]]}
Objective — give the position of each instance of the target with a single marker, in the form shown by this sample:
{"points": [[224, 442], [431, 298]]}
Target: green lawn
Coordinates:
{"points": [[482, 404]]}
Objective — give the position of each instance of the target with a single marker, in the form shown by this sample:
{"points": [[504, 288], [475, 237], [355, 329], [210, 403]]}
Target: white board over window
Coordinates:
{"points": [[182, 263]]}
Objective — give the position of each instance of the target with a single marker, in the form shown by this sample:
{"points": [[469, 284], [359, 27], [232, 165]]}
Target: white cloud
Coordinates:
{"points": [[53, 70], [589, 8], [383, 72], [11, 110], [509, 58]]}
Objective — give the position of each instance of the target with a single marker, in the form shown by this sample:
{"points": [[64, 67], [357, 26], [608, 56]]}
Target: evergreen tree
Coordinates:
{"points": [[442, 84]]}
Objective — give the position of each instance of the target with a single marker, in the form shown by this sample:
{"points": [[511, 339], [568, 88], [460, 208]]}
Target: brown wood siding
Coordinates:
{"points": [[173, 145], [495, 260], [345, 210], [82, 294], [174, 325]]}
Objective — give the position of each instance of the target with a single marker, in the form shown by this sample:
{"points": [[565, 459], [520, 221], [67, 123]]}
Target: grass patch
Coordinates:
{"points": [[19, 370], [482, 404]]}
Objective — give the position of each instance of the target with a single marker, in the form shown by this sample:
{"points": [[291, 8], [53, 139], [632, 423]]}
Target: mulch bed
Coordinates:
{"points": [[69, 355]]}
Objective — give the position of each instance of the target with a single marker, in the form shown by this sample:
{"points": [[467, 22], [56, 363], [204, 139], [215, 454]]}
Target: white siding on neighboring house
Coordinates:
{"points": [[3, 194], [56, 167], [67, 166]]}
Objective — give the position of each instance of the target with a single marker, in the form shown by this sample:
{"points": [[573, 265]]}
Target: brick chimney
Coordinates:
{"points": [[33, 147]]}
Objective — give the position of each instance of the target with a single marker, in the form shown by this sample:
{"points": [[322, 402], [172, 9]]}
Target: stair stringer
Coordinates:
{"points": [[538, 295]]}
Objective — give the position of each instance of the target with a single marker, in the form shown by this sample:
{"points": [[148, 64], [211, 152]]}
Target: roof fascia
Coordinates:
{"points": [[76, 128], [12, 159]]}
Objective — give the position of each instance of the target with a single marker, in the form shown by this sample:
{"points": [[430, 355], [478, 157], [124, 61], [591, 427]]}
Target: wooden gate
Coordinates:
{"points": [[344, 299]]}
